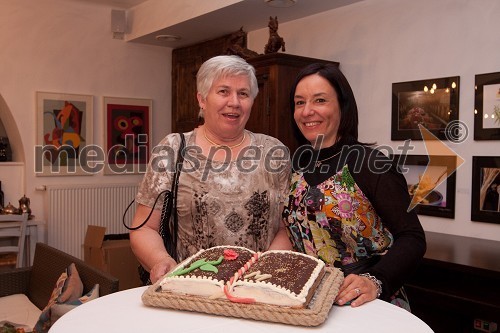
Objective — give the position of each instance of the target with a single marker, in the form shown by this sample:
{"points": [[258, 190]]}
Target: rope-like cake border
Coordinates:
{"points": [[315, 314]]}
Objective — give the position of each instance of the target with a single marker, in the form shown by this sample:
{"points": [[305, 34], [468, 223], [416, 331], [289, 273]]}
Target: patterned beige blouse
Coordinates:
{"points": [[222, 203]]}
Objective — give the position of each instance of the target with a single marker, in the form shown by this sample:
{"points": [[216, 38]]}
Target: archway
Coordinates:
{"points": [[12, 131], [12, 174]]}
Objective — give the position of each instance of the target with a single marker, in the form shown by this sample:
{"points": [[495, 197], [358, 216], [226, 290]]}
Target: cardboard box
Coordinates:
{"points": [[113, 256]]}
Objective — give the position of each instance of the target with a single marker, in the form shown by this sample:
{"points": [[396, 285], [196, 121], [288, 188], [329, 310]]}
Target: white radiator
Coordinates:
{"points": [[73, 207]]}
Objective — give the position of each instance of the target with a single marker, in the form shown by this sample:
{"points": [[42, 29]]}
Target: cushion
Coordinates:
{"points": [[58, 309], [68, 287], [18, 310], [73, 286], [7, 327]]}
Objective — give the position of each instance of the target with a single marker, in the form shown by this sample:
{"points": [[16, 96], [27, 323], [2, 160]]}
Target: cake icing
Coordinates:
{"points": [[277, 277], [203, 282], [281, 278]]}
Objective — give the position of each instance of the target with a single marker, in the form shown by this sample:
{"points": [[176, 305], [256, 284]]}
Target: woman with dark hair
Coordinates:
{"points": [[348, 203]]}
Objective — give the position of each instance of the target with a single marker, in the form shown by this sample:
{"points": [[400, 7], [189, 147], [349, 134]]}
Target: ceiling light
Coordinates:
{"points": [[280, 3], [168, 38]]}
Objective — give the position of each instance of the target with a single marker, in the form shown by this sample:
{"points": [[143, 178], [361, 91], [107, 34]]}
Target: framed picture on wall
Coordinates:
{"points": [[487, 107], [127, 134], [485, 189], [431, 103], [433, 185], [64, 134]]}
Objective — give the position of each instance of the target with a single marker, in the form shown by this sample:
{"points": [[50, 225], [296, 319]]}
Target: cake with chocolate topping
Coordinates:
{"points": [[202, 274], [279, 277]]}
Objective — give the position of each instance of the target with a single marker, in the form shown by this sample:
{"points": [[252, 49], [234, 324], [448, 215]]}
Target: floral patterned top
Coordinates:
{"points": [[222, 203], [351, 215], [334, 220]]}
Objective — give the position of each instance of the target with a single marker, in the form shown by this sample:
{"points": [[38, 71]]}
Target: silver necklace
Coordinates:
{"points": [[320, 162]]}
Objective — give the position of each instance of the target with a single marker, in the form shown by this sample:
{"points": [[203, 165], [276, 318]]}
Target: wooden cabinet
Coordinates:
{"points": [[456, 289], [270, 113]]}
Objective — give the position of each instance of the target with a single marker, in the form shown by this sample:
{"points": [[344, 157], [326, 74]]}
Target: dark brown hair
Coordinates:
{"points": [[348, 127]]}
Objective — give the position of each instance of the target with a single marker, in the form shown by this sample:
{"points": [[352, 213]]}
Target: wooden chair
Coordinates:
{"points": [[13, 228]]}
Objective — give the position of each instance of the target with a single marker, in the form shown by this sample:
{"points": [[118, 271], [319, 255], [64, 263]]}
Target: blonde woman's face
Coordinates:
{"points": [[317, 110], [227, 107]]}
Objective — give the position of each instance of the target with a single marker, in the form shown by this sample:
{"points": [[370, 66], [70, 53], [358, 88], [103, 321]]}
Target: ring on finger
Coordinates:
{"points": [[358, 292]]}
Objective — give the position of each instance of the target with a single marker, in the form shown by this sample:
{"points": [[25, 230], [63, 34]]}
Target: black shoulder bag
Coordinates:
{"points": [[169, 224]]}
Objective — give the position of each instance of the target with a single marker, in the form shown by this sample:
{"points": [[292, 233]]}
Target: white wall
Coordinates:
{"points": [[379, 42], [67, 47], [154, 15], [60, 46]]}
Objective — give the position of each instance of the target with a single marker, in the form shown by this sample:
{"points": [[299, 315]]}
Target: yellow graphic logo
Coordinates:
{"points": [[439, 154]]}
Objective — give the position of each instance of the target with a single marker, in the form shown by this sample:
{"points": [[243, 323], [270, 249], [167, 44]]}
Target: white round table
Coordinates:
{"points": [[124, 312]]}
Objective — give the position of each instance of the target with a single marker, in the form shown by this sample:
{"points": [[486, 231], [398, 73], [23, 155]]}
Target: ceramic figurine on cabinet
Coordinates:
{"points": [[238, 45], [275, 42]]}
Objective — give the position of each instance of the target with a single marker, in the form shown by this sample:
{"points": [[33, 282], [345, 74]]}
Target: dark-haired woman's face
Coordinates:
{"points": [[317, 110]]}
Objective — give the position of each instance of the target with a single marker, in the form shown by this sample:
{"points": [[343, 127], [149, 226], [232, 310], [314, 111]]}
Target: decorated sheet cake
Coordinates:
{"points": [[235, 281]]}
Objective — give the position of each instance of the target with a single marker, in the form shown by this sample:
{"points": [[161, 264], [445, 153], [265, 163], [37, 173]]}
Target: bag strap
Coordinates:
{"points": [[169, 230], [168, 193]]}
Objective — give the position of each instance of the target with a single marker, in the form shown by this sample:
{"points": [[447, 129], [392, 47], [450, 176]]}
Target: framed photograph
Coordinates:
{"points": [[64, 140], [485, 189], [431, 103], [127, 135], [487, 107], [433, 185]]}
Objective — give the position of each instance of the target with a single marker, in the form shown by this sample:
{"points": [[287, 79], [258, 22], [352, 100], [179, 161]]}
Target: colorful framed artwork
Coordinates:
{"points": [[487, 107], [431, 103], [485, 205], [434, 185], [64, 138], [127, 124]]}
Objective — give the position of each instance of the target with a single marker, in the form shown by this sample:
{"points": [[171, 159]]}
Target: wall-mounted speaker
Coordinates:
{"points": [[118, 23]]}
